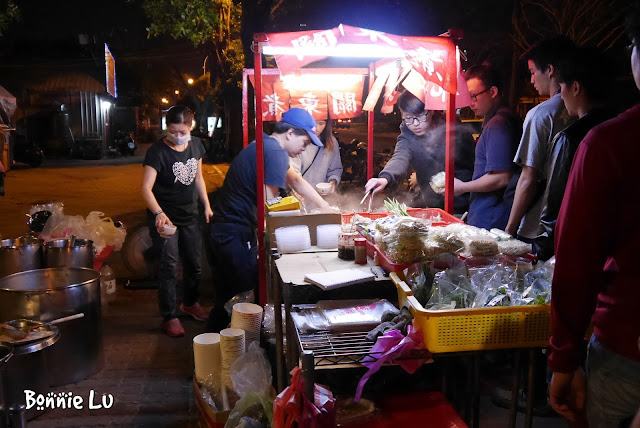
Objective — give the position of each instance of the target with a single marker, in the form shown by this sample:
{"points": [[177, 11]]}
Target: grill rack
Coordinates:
{"points": [[351, 348]]}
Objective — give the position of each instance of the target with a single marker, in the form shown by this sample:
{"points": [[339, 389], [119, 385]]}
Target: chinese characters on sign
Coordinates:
{"points": [[315, 102], [308, 42]]}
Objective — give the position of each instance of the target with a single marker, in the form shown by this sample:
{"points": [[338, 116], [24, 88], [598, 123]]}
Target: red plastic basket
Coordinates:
{"points": [[346, 218], [427, 213]]}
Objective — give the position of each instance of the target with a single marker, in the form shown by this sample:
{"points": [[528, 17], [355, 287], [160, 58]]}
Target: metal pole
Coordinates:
{"points": [[308, 374], [262, 267], [450, 168], [245, 109], [370, 119]]}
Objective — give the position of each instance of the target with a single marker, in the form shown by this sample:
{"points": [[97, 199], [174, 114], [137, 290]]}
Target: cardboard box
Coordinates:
{"points": [[207, 417], [310, 220]]}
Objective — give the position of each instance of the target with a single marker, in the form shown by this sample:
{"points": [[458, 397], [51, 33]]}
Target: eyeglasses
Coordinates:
{"points": [[415, 120], [474, 97]]}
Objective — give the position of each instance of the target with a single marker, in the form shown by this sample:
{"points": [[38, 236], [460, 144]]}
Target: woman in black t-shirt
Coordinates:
{"points": [[171, 186]]}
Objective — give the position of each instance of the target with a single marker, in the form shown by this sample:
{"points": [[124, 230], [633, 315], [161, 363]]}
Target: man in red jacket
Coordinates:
{"points": [[596, 275]]}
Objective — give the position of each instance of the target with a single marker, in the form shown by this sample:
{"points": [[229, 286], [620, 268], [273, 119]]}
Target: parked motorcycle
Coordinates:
{"points": [[27, 151], [123, 144]]}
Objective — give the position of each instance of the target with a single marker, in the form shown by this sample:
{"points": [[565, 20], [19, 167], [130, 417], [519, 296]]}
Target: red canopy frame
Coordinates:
{"points": [[295, 50]]}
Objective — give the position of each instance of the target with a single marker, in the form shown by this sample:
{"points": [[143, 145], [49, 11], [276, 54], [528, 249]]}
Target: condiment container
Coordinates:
{"points": [[360, 247]]}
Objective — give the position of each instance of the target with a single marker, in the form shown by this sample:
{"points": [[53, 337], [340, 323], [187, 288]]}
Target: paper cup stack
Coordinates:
{"points": [[293, 238], [248, 317], [231, 348], [327, 236], [206, 356]]}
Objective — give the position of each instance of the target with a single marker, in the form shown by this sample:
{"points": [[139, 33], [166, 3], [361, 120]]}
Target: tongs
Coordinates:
{"points": [[370, 195]]}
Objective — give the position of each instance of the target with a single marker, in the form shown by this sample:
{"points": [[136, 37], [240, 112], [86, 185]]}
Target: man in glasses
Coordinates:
{"points": [[421, 146], [541, 124], [490, 202]]}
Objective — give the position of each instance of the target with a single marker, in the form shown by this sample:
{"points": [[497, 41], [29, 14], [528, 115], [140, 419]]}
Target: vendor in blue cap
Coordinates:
{"points": [[233, 230]]}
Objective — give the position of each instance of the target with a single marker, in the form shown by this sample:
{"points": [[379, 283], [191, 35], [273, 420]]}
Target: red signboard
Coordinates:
{"points": [[275, 98], [313, 101], [110, 70]]}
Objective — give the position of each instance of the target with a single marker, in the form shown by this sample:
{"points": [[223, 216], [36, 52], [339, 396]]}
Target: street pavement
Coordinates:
{"points": [[148, 373]]}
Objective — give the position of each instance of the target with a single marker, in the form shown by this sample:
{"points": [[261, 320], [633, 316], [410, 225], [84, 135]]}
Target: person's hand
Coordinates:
{"points": [[413, 183], [511, 229], [567, 393], [375, 185], [334, 185], [161, 220], [207, 213], [458, 188]]}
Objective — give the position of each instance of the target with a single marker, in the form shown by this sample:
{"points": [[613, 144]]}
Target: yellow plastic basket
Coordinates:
{"points": [[477, 329]]}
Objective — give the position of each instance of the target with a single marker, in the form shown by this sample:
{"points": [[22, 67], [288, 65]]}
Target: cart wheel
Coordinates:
{"points": [[135, 252]]}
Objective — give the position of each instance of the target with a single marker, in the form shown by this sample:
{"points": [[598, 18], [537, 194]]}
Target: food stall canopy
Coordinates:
{"points": [[436, 60]]}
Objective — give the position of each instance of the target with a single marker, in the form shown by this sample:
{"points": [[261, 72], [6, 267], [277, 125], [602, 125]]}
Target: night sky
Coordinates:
{"points": [[50, 28]]}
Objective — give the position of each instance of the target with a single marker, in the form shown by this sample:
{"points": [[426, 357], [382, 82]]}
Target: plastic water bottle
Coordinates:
{"points": [[107, 286]]}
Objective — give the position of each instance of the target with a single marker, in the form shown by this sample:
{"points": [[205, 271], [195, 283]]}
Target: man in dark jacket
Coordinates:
{"points": [[584, 79], [421, 146], [490, 202]]}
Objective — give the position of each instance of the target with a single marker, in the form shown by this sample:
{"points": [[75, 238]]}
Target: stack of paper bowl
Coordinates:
{"points": [[293, 238], [248, 317], [206, 356], [231, 348], [327, 236]]}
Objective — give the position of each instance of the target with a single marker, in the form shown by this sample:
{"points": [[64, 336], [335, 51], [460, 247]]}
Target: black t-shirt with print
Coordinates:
{"points": [[175, 186]]}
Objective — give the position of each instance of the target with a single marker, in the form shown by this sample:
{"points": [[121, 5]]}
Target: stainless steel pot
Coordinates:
{"points": [[6, 352], [47, 294], [65, 253], [28, 370], [18, 255]]}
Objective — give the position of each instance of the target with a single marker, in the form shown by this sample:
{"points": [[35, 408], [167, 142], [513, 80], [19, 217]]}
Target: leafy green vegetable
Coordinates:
{"points": [[396, 207]]}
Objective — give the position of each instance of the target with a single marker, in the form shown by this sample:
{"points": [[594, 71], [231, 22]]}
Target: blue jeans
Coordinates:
{"points": [[186, 244], [235, 256], [613, 387]]}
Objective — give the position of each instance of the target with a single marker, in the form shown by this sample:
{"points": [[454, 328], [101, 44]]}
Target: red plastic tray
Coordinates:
{"points": [[346, 218], [427, 213]]}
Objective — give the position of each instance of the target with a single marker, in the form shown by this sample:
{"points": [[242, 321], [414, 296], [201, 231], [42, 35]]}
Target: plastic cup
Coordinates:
{"points": [[167, 231]]}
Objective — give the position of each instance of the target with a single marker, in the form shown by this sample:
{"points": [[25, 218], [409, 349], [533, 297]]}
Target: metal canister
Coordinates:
{"points": [[22, 254], [68, 253]]}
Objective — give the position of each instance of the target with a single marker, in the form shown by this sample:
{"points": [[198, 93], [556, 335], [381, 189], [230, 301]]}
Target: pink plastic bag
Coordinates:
{"points": [[391, 346]]}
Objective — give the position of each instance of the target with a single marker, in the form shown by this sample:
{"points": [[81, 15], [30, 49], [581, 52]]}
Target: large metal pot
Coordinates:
{"points": [[6, 352], [47, 294], [65, 253], [28, 370], [18, 255]]}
